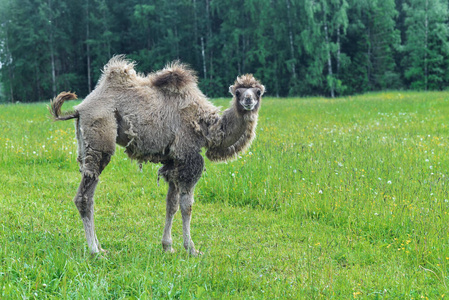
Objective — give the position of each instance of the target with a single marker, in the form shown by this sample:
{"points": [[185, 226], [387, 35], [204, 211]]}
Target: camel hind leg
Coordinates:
{"points": [[92, 163], [84, 199]]}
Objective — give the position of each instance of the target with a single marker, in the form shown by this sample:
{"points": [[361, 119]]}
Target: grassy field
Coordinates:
{"points": [[336, 199]]}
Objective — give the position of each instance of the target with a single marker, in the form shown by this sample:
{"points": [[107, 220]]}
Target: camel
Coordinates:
{"points": [[160, 118]]}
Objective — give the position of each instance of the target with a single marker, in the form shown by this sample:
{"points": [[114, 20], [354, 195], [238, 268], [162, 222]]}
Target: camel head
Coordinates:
{"points": [[247, 92]]}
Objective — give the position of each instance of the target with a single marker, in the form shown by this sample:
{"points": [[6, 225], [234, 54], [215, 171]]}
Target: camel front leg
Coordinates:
{"points": [[182, 177], [172, 207], [186, 203]]}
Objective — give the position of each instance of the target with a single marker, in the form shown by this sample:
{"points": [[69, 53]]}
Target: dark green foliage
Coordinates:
{"points": [[295, 47], [427, 47], [370, 45]]}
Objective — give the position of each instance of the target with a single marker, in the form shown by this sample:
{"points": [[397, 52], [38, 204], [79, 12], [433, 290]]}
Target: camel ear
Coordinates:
{"points": [[262, 89], [231, 90]]}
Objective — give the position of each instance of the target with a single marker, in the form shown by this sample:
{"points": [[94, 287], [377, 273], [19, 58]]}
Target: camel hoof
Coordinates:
{"points": [[100, 254], [195, 253], [168, 249]]}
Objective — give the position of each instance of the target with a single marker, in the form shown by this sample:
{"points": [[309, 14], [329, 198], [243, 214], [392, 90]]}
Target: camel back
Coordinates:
{"points": [[174, 78]]}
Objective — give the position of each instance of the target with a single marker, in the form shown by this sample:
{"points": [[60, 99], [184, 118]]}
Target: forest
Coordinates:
{"points": [[295, 47]]}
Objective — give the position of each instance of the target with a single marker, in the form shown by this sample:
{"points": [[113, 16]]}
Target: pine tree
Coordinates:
{"points": [[325, 21], [426, 48], [370, 45]]}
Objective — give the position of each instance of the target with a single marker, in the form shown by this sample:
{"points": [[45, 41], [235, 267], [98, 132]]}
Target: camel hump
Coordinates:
{"points": [[175, 77], [119, 69]]}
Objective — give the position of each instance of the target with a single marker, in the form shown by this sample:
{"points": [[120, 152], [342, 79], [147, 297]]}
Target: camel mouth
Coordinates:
{"points": [[248, 106]]}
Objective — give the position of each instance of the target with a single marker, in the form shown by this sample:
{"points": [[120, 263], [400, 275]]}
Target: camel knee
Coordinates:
{"points": [[187, 209], [186, 204], [83, 205], [94, 162], [171, 210], [84, 197]]}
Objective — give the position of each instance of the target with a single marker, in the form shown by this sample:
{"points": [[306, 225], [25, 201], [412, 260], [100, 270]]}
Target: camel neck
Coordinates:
{"points": [[232, 134]]}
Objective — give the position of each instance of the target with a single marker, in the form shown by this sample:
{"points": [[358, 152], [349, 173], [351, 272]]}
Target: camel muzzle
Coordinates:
{"points": [[248, 104]]}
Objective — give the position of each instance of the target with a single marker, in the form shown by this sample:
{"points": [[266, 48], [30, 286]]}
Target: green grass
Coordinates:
{"points": [[336, 199]]}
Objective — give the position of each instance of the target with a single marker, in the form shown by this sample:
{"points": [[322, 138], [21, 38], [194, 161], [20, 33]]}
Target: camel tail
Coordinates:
{"points": [[175, 77], [56, 104]]}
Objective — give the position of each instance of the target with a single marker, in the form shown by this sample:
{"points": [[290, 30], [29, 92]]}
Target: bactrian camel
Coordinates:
{"points": [[160, 118]]}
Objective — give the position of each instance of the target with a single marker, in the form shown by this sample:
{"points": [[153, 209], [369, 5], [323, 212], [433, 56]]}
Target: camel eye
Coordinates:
{"points": [[237, 94]]}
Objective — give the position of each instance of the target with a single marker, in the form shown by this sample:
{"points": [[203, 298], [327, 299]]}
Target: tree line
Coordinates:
{"points": [[295, 47]]}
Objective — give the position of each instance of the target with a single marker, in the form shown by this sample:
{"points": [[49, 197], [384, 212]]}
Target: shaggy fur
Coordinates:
{"points": [[160, 118]]}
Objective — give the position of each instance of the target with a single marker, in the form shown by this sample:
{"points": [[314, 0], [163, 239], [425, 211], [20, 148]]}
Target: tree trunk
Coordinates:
{"points": [[338, 51], [177, 42], [426, 41], [329, 60], [211, 65], [53, 68], [89, 78], [243, 56], [52, 50], [290, 33], [209, 38], [203, 54], [105, 15], [11, 88], [195, 32], [209, 28], [10, 71], [369, 54], [38, 83]]}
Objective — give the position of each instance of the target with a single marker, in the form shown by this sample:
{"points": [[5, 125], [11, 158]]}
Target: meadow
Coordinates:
{"points": [[336, 199]]}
